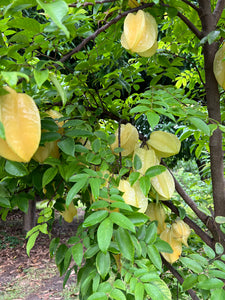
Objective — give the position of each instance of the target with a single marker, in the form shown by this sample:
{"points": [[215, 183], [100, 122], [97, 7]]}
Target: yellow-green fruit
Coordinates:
{"points": [[69, 213], [21, 120], [163, 185], [140, 33], [156, 212], [167, 236], [180, 231], [128, 139], [147, 157], [164, 143], [219, 66], [133, 195], [50, 148]]}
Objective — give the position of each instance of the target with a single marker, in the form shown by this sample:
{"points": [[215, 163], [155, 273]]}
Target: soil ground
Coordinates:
{"points": [[35, 277]]}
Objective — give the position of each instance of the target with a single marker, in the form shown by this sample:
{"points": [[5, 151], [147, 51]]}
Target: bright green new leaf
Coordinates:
{"points": [[56, 10]]}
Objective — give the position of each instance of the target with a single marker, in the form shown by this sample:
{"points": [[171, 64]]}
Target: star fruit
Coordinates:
{"points": [[21, 120], [140, 33]]}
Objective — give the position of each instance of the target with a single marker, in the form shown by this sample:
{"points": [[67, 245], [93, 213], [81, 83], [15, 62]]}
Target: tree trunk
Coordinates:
{"points": [[29, 219]]}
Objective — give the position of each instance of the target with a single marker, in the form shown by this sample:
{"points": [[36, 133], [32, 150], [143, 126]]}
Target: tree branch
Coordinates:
{"points": [[179, 278], [191, 5], [218, 10], [190, 25]]}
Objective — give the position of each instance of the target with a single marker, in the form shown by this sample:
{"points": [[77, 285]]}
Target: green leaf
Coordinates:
{"points": [[220, 220], [95, 184], [40, 77], [155, 170], [217, 294], [137, 218], [145, 184], [219, 248], [98, 296], [59, 88], [133, 177], [163, 246], [67, 145], [201, 125], [4, 202], [16, 168], [49, 136], [189, 281], [151, 233], [153, 119], [60, 254], [122, 221], [104, 234], [95, 218], [139, 291], [103, 264], [75, 190], [216, 274], [117, 294], [137, 162], [77, 253], [191, 264], [154, 256], [49, 175], [31, 242], [91, 251], [125, 243], [53, 246], [157, 289], [11, 78], [209, 252], [220, 265], [211, 283], [56, 10]]}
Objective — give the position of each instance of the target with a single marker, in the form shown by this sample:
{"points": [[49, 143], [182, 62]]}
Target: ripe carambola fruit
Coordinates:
{"points": [[140, 33], [133, 195], [164, 185], [50, 148], [21, 120], [167, 236], [164, 143], [69, 213], [147, 157], [156, 212], [180, 231], [128, 139], [219, 66]]}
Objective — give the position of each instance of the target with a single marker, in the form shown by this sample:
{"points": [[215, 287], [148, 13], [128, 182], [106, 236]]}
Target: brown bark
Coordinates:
{"points": [[209, 21], [29, 219]]}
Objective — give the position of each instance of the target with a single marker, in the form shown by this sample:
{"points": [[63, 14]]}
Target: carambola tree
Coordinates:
{"points": [[124, 90]]}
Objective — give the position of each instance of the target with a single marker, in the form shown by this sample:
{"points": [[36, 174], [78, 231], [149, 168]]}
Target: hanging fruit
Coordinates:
{"points": [[164, 143], [180, 231], [163, 185], [167, 236], [50, 148], [21, 120], [219, 66], [148, 158], [69, 213], [128, 139], [156, 212], [133, 195], [140, 33]]}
